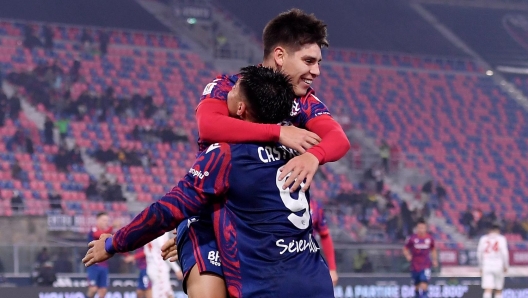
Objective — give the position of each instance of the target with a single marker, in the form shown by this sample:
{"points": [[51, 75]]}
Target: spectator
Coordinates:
{"points": [[48, 37], [104, 39], [75, 71], [29, 146], [30, 40], [114, 193], [48, 131], [3, 108], [384, 151], [74, 155], [92, 192], [14, 108], [61, 160], [362, 262], [55, 201], [43, 256], [17, 204], [16, 171], [468, 221], [62, 125], [46, 275], [105, 155], [168, 135], [86, 40]]}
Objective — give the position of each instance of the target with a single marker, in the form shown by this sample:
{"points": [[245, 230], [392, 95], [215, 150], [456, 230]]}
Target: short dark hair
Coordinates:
{"points": [[101, 214], [293, 29], [421, 221], [269, 93]]}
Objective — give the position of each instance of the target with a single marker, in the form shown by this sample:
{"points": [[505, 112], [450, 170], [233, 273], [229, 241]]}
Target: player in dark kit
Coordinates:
{"points": [[292, 44], [98, 275], [418, 249], [263, 231]]}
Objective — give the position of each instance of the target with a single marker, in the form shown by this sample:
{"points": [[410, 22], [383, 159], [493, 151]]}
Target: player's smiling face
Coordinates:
{"points": [[302, 66]]}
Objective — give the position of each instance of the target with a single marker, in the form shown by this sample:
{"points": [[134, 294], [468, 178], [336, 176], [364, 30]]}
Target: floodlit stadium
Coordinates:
{"points": [[122, 119]]}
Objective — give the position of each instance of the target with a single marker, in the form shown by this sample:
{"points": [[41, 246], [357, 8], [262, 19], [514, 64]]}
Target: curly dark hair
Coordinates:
{"points": [[269, 93], [292, 29]]}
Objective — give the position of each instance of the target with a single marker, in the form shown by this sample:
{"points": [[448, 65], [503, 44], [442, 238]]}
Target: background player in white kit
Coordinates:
{"points": [[493, 259], [158, 270]]}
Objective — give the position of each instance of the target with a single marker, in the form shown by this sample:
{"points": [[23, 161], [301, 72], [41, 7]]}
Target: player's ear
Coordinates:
{"points": [[241, 109], [278, 56]]}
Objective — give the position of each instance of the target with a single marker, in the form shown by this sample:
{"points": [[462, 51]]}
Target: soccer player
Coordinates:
{"points": [[144, 287], [264, 232], [158, 270], [320, 227], [98, 274], [292, 44], [493, 256], [418, 249]]}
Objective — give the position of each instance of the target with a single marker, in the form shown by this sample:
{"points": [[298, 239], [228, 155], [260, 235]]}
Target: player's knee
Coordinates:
{"points": [[423, 286]]}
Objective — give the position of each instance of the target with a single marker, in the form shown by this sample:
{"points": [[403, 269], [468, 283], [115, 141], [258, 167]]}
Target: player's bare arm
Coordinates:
{"points": [[434, 256], [407, 254]]}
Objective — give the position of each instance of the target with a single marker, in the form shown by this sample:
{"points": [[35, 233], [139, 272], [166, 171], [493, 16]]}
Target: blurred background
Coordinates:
{"points": [[97, 114]]}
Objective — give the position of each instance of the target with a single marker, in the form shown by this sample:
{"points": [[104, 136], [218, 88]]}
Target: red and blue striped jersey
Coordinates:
{"points": [[304, 108], [264, 233], [420, 248]]}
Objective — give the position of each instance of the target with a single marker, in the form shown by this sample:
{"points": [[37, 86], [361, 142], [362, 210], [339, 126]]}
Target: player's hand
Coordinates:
{"points": [[179, 275], [334, 277], [408, 258], [169, 250], [300, 167], [97, 252], [435, 263], [297, 138]]}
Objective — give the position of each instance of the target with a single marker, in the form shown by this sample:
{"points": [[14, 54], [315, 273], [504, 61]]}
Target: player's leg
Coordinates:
{"points": [[102, 281], [143, 283], [499, 283], [199, 260], [92, 281], [488, 284], [204, 285], [423, 279]]}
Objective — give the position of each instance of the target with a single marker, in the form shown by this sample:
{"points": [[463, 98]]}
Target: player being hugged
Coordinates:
{"points": [[263, 230], [419, 249], [493, 256]]}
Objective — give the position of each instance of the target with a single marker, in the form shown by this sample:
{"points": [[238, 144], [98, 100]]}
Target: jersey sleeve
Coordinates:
{"points": [[309, 107], [322, 227], [409, 243], [432, 243], [205, 181]]}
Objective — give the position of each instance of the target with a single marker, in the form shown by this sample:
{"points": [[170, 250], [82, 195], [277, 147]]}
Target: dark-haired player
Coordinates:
{"points": [[264, 232], [292, 44], [419, 249], [98, 274]]}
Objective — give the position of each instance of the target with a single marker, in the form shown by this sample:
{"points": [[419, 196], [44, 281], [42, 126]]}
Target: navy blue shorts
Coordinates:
{"points": [[143, 280], [97, 276], [196, 245], [421, 276]]}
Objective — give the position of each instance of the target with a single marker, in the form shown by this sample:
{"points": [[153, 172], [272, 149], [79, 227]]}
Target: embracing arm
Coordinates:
{"points": [[215, 125], [334, 144]]}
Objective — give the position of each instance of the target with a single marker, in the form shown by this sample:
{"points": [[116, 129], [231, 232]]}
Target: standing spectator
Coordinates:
{"points": [[104, 39], [62, 125], [17, 204], [86, 40], [385, 154], [3, 108], [74, 155], [61, 160], [91, 191], [14, 107], [55, 201], [43, 256], [48, 131], [16, 171], [75, 71], [29, 146], [48, 37], [63, 262], [46, 275]]}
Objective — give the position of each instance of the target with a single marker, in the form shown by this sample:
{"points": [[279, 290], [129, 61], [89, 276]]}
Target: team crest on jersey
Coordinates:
{"points": [[295, 108], [208, 88]]}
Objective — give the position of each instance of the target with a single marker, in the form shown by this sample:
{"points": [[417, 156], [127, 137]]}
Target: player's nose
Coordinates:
{"points": [[314, 70]]}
